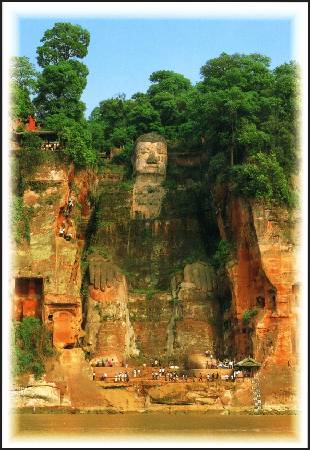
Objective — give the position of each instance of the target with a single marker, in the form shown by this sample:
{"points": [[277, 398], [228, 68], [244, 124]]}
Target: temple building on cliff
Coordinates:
{"points": [[50, 140]]}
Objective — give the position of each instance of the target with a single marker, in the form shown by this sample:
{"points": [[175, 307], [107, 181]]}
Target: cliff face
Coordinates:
{"points": [[264, 278], [135, 279], [47, 270]]}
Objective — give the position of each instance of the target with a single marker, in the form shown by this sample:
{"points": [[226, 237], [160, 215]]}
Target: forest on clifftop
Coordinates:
{"points": [[242, 115]]}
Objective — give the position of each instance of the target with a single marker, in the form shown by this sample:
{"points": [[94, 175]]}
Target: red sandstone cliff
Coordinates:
{"points": [[263, 274]]}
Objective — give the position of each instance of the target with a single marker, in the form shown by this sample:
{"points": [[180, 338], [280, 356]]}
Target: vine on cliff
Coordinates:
{"points": [[223, 254], [32, 346], [21, 217], [248, 314]]}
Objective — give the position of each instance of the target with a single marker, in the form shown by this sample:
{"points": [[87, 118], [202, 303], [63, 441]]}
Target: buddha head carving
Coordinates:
{"points": [[150, 156]]}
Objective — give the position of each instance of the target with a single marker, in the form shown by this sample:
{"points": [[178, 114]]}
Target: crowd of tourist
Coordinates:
{"points": [[170, 377], [105, 362], [214, 363], [103, 377], [121, 376], [171, 373]]}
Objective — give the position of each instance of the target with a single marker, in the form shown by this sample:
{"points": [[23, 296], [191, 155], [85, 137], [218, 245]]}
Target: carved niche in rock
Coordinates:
{"points": [[63, 320], [65, 329], [28, 297]]}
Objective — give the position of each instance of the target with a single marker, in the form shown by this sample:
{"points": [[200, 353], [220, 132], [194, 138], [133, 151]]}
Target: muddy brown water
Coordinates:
{"points": [[156, 425]]}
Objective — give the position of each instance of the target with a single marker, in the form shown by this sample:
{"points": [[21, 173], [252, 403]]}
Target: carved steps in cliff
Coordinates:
{"points": [[78, 374], [256, 394]]}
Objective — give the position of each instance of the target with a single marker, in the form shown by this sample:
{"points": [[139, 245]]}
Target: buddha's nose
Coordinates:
{"points": [[152, 159]]}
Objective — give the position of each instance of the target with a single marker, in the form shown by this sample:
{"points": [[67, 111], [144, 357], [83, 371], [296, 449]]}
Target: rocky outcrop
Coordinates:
{"points": [[148, 291], [36, 393], [49, 262], [213, 396], [264, 279]]}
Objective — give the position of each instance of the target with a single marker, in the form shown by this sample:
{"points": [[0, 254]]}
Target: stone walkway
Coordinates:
{"points": [[256, 392]]}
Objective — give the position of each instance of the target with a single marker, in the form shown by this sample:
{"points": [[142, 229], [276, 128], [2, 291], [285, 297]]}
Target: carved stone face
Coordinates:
{"points": [[150, 158]]}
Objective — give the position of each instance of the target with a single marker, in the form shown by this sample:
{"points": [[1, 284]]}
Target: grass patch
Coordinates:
{"points": [[248, 314]]}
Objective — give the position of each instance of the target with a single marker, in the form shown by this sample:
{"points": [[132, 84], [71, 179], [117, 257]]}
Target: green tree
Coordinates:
{"points": [[61, 43], [23, 73], [169, 95], [32, 346], [97, 130], [60, 88], [75, 138], [282, 122], [63, 79], [143, 116], [23, 84], [168, 81], [108, 118], [229, 106], [262, 178], [118, 122], [21, 106], [246, 114]]}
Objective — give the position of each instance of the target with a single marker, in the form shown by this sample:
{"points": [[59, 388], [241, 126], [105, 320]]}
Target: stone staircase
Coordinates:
{"points": [[83, 392], [256, 393]]}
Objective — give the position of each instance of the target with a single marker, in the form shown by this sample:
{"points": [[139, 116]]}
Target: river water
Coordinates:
{"points": [[156, 425]]}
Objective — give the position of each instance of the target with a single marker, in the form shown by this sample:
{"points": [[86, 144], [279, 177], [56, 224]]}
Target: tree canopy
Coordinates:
{"points": [[23, 84], [248, 115], [64, 41], [63, 78], [242, 114], [23, 73], [60, 86]]}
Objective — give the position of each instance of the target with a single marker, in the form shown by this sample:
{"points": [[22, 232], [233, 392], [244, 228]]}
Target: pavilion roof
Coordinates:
{"points": [[248, 362]]}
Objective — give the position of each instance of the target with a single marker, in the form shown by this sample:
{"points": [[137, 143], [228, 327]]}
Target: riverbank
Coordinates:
{"points": [[223, 397], [184, 409]]}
